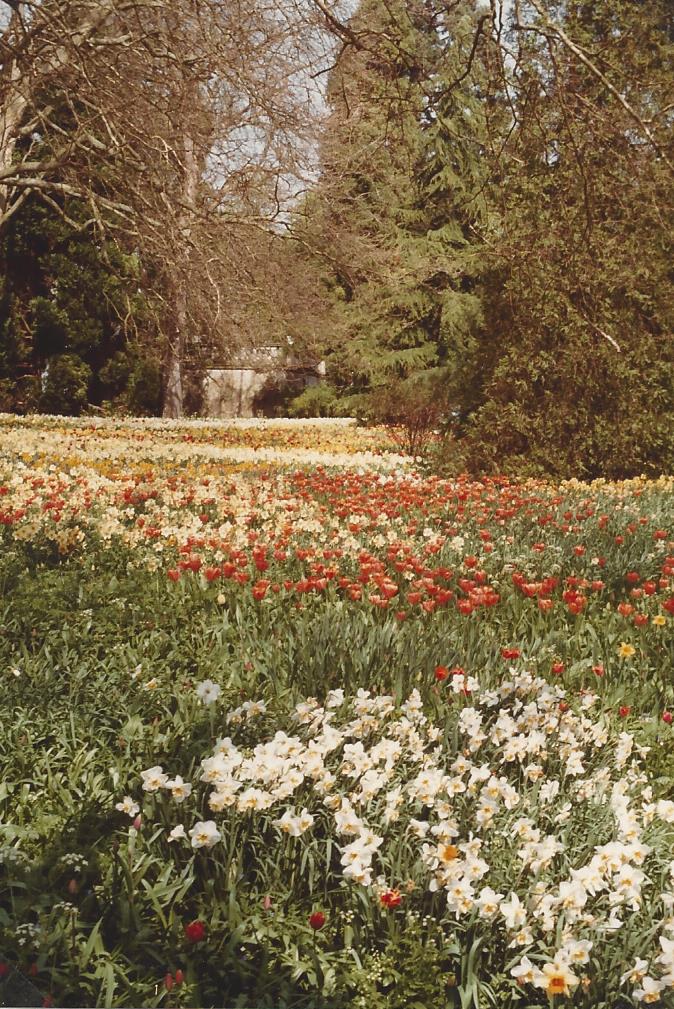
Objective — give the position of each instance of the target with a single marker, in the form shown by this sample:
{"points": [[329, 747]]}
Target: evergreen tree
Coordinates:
{"points": [[68, 307], [395, 202], [576, 377]]}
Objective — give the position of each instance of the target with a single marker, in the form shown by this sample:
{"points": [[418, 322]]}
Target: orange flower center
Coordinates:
{"points": [[557, 985], [449, 852]]}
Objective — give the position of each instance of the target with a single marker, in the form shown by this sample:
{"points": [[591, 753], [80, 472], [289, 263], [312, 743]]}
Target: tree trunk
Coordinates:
{"points": [[11, 115], [174, 391]]}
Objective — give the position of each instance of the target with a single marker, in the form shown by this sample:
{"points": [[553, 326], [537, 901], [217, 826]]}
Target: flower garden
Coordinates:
{"points": [[289, 722]]}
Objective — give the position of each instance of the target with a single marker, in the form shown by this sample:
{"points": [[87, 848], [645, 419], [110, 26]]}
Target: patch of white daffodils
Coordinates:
{"points": [[535, 821]]}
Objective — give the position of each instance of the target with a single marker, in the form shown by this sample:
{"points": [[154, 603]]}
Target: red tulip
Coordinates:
{"points": [[195, 931], [317, 920], [391, 898], [667, 717]]}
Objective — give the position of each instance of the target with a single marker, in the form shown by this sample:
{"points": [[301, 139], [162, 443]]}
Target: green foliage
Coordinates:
{"points": [[65, 385], [402, 262], [69, 294], [50, 326], [145, 386], [510, 223], [315, 401]]}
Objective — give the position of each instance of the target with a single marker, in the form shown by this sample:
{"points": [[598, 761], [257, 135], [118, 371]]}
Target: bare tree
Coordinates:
{"points": [[185, 125]]}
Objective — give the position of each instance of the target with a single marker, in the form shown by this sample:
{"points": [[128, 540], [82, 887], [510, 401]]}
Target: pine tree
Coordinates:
{"points": [[395, 202]]}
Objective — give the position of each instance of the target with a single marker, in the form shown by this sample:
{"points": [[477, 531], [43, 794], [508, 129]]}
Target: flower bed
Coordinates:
{"points": [[289, 722]]}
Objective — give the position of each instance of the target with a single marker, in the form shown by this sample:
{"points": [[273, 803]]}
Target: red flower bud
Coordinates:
{"points": [[667, 717], [195, 931], [441, 672], [180, 977], [624, 711], [317, 920], [168, 982]]}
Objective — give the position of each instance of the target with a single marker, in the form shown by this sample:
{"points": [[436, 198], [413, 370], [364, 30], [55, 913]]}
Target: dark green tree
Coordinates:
{"points": [[392, 215], [70, 312], [576, 374]]}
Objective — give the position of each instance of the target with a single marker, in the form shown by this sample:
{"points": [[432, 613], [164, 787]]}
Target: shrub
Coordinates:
{"points": [[413, 408], [66, 385], [316, 401]]}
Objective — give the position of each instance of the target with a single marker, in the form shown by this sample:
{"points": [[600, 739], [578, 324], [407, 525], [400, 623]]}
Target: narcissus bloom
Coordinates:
{"points": [[180, 789], [204, 834], [626, 651], [556, 978], [154, 779], [128, 806], [208, 691], [650, 991]]}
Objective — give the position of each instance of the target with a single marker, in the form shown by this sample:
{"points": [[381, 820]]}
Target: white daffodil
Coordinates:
{"points": [[154, 779], [204, 834], [179, 789], [208, 692], [128, 806]]}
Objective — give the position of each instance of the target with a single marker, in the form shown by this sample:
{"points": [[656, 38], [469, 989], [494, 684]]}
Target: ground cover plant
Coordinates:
{"points": [[289, 722]]}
